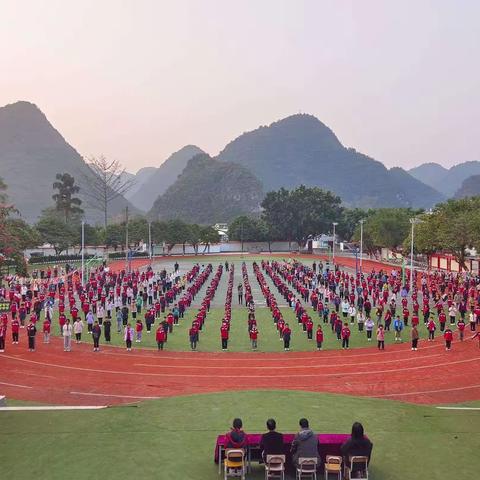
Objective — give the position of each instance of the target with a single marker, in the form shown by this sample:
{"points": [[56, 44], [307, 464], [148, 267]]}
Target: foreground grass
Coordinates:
{"points": [[174, 437]]}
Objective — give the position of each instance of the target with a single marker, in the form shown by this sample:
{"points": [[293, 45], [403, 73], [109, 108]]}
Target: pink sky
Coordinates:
{"points": [[137, 80]]}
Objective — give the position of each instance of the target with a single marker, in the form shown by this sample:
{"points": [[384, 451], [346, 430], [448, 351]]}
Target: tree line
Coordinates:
{"points": [[286, 215]]}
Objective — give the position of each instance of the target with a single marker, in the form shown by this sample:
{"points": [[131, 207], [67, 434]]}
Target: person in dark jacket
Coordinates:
{"points": [[305, 443], [236, 437], [271, 442], [359, 445]]}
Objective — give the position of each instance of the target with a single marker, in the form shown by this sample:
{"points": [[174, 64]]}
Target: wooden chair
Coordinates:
{"points": [[333, 465], [307, 468], [359, 464], [234, 464], [275, 467]]}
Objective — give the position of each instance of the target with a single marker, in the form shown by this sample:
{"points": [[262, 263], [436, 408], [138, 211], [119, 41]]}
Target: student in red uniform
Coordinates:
{"points": [[160, 337], [46, 331], [309, 325], [138, 330], [345, 336], [193, 335], [448, 336], [431, 326], [224, 335], [319, 336], [286, 335], [15, 331], [254, 337]]}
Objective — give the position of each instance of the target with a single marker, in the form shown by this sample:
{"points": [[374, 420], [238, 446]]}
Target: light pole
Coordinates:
{"points": [[150, 241], [333, 244], [83, 254], [413, 222], [362, 221]]}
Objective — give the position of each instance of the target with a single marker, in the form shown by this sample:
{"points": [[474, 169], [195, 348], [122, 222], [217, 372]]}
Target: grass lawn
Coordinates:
{"points": [[174, 437], [269, 340]]}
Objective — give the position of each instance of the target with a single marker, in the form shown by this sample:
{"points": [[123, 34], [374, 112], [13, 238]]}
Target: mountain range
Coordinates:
{"points": [[296, 150], [445, 180], [32, 152]]}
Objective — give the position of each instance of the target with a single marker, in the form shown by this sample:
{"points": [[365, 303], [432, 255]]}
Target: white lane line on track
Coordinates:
{"points": [[193, 375], [262, 356], [426, 392], [256, 367], [111, 395], [56, 407], [458, 408], [14, 385]]}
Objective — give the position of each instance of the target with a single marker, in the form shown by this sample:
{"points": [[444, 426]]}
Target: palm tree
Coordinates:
{"points": [[64, 200]]}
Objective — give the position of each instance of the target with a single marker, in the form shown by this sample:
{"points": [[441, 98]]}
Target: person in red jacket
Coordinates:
{"points": [[345, 336], [442, 319], [224, 335], [193, 335], [160, 337], [431, 326], [309, 325], [15, 331], [138, 330], [46, 331], [319, 336], [448, 336], [254, 337]]}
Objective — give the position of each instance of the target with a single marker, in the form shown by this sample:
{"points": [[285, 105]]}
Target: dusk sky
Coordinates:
{"points": [[137, 80]]}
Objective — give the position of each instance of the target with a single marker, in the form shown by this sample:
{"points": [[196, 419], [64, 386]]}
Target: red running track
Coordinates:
{"points": [[112, 376]]}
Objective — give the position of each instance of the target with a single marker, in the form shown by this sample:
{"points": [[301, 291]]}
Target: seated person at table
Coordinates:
{"points": [[305, 443], [358, 444], [236, 437], [272, 441]]}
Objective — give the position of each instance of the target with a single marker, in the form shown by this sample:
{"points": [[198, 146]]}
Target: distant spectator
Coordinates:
{"points": [[271, 442], [359, 445], [236, 437], [305, 443]]}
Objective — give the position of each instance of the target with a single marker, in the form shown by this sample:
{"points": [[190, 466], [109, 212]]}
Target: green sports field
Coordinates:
{"points": [[174, 437]]}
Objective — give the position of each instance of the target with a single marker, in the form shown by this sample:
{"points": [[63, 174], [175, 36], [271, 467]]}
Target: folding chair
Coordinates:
{"points": [[307, 468], [275, 467], [333, 465], [359, 464], [234, 464]]}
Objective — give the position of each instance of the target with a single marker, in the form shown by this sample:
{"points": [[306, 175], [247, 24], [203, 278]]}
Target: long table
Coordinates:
{"points": [[329, 444]]}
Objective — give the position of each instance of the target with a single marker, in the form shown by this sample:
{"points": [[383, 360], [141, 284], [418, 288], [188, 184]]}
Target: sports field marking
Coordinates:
{"points": [[111, 395], [319, 365], [458, 408], [14, 385], [263, 356], [193, 375], [426, 392], [58, 407]]}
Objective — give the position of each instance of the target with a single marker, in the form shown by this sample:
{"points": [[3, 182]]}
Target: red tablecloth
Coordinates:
{"points": [[330, 443]]}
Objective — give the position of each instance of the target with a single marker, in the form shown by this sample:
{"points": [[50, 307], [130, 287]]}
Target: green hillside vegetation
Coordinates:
{"points": [[209, 191], [302, 150]]}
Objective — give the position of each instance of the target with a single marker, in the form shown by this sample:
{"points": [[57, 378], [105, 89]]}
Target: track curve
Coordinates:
{"points": [[114, 376]]}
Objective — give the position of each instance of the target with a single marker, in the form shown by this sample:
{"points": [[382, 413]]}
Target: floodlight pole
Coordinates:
{"points": [[83, 253], [413, 221], [150, 241], [361, 244], [333, 244]]}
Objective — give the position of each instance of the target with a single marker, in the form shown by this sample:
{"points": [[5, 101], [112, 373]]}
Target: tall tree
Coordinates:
{"points": [[301, 212], [65, 200], [108, 184], [54, 231]]}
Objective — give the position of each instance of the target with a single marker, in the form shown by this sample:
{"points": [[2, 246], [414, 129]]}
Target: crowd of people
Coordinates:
{"points": [[375, 303]]}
